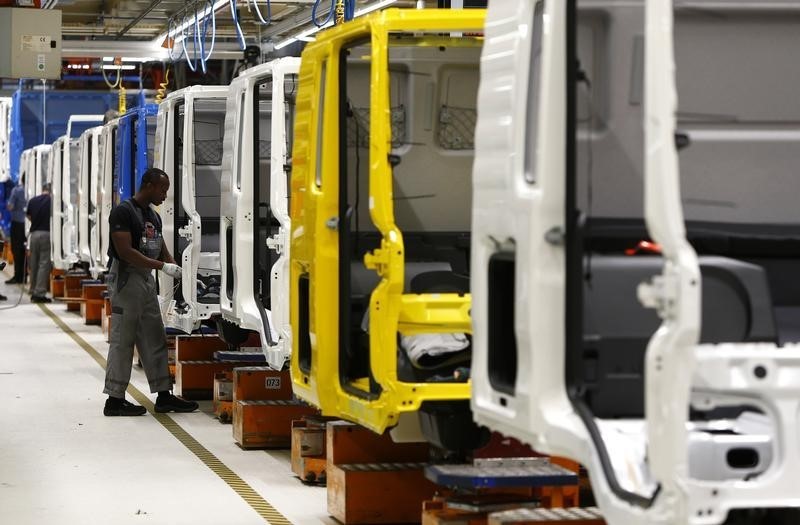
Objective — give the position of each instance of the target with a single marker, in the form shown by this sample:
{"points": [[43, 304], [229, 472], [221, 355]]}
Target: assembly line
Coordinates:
{"points": [[530, 262]]}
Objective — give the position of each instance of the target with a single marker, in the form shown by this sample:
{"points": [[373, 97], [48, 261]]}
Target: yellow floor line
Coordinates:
{"points": [[245, 491]]}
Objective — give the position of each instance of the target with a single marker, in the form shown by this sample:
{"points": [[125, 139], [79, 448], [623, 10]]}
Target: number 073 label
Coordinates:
{"points": [[35, 43], [272, 383]]}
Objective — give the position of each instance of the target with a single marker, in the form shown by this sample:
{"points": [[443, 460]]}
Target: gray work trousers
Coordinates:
{"points": [[39, 245], [135, 319]]}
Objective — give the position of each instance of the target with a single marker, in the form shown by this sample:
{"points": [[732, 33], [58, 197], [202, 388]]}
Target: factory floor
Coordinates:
{"points": [[63, 462]]}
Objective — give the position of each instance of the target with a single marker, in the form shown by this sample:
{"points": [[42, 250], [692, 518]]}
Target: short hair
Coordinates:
{"points": [[46, 186], [152, 176]]}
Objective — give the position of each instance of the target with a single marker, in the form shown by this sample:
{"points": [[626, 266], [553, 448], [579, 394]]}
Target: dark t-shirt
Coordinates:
{"points": [[39, 210], [123, 218]]}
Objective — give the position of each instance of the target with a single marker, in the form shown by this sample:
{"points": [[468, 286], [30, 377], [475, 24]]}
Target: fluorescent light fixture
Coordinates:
{"points": [[125, 67], [374, 7], [132, 59], [305, 35]]}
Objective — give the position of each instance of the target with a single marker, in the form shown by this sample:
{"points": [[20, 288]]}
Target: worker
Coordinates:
{"points": [[16, 205], [38, 212], [136, 249]]}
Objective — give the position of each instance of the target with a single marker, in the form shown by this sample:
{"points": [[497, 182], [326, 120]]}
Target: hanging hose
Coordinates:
{"points": [[238, 27], [189, 61], [258, 12], [199, 39], [117, 82], [162, 90], [340, 12], [122, 103], [314, 14], [349, 10], [213, 15], [171, 43]]}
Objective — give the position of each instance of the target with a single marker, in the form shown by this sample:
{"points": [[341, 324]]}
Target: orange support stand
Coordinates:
{"points": [[197, 347], [73, 289], [195, 379], [309, 449], [372, 479], [267, 424], [92, 305], [7, 255], [223, 396], [57, 283], [261, 383]]}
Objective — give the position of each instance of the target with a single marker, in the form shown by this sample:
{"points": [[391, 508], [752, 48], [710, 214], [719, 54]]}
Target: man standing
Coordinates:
{"points": [[16, 205], [136, 249], [39, 210]]}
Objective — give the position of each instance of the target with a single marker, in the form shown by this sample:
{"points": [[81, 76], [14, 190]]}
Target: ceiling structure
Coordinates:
{"points": [[93, 28]]}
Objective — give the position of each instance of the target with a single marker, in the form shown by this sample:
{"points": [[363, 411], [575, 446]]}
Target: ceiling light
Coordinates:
{"points": [[131, 59], [125, 67]]}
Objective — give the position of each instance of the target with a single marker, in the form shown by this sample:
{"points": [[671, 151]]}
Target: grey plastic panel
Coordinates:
{"points": [[736, 100]]}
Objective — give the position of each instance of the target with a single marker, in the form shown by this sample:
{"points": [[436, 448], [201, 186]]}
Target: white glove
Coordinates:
{"points": [[173, 270]]}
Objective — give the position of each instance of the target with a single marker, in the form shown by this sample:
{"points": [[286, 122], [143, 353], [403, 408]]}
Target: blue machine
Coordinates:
{"points": [[29, 128], [134, 150]]}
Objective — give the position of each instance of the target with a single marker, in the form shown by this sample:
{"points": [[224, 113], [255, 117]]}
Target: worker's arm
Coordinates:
{"points": [[165, 255], [10, 204], [123, 244]]}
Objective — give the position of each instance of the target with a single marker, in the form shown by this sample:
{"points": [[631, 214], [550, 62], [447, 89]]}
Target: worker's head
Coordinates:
{"points": [[46, 187], [154, 186]]}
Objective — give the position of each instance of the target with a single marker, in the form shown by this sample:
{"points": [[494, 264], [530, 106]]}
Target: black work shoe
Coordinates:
{"points": [[122, 407], [3, 297], [13, 281], [41, 299], [170, 403]]}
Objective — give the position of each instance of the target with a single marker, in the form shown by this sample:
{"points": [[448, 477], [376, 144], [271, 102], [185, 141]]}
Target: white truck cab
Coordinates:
{"points": [[5, 138], [27, 169], [254, 208], [101, 199], [662, 375], [62, 259], [34, 165], [91, 165], [192, 116], [66, 183]]}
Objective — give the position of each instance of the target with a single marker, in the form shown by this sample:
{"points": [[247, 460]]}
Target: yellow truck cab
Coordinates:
{"points": [[380, 214]]}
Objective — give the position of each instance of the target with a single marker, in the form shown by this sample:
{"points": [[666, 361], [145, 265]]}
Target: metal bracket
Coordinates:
{"points": [[186, 232], [276, 242], [377, 260], [660, 294], [332, 223]]}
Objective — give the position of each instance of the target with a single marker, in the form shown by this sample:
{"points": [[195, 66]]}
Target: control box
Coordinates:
{"points": [[30, 43]]}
